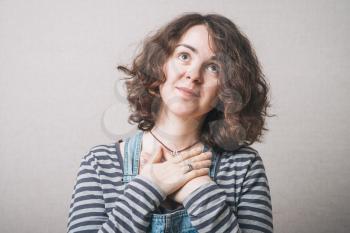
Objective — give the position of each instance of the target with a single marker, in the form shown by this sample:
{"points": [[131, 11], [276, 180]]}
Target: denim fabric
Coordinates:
{"points": [[174, 222]]}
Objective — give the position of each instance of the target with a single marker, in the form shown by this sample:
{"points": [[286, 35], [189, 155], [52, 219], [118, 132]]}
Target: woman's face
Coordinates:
{"points": [[192, 75]]}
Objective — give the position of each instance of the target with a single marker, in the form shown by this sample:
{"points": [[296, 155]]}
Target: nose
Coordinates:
{"points": [[194, 73]]}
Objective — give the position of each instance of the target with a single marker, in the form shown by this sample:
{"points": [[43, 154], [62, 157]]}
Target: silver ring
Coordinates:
{"points": [[190, 167]]}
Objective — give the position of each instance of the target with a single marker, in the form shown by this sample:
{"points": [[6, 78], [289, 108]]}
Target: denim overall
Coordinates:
{"points": [[174, 221]]}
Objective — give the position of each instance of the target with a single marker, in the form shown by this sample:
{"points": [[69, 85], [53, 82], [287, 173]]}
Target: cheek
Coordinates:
{"points": [[211, 91], [167, 72], [165, 89], [212, 87], [173, 69], [172, 72]]}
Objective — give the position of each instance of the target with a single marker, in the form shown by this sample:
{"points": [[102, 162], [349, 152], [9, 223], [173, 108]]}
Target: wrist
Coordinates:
{"points": [[151, 182], [195, 192], [198, 185], [190, 187]]}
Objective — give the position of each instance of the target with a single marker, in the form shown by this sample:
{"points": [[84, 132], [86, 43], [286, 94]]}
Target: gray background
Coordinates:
{"points": [[60, 95]]}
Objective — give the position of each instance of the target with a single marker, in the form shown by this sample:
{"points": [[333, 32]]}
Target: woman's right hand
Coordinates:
{"points": [[172, 174]]}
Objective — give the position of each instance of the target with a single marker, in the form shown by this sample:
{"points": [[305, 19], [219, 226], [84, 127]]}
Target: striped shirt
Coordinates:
{"points": [[239, 200]]}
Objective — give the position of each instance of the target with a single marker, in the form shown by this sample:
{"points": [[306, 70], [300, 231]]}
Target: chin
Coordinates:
{"points": [[185, 110], [183, 113], [188, 114]]}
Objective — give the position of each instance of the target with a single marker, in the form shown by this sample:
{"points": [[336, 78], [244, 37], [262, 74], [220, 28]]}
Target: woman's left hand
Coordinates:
{"points": [[181, 194]]}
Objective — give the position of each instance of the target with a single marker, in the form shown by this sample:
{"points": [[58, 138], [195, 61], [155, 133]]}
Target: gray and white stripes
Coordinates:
{"points": [[239, 201]]}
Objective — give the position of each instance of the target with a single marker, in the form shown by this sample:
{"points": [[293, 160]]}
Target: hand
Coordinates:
{"points": [[181, 194], [170, 175]]}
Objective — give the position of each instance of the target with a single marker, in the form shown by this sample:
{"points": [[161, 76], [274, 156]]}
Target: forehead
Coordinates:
{"points": [[199, 38]]}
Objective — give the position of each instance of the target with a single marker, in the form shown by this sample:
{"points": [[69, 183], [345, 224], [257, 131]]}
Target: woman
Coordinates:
{"points": [[199, 98]]}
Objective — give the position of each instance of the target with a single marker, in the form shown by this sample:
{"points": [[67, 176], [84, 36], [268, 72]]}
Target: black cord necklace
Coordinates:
{"points": [[173, 152]]}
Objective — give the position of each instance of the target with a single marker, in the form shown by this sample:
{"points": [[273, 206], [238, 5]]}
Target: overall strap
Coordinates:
{"points": [[132, 150]]}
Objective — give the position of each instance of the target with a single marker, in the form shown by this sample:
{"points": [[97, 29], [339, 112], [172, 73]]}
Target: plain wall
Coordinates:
{"points": [[60, 95]]}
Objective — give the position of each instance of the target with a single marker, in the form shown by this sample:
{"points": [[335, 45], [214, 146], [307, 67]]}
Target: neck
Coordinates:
{"points": [[177, 132]]}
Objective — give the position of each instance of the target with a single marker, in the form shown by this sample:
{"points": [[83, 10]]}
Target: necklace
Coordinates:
{"points": [[173, 152]]}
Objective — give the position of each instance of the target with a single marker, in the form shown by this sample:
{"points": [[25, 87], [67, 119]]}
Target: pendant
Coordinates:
{"points": [[174, 153]]}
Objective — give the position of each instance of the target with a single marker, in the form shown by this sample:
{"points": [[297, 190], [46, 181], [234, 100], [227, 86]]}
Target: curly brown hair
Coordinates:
{"points": [[239, 117]]}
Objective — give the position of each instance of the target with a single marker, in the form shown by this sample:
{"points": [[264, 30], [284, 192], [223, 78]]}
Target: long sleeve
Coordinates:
{"points": [[210, 210], [132, 209]]}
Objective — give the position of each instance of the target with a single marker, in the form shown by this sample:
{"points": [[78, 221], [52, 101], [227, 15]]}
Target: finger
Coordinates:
{"points": [[145, 157], [196, 165], [195, 173], [188, 154], [158, 156], [166, 155], [142, 163], [201, 164], [202, 156]]}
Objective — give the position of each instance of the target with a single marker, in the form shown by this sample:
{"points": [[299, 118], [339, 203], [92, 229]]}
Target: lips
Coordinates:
{"points": [[188, 91]]}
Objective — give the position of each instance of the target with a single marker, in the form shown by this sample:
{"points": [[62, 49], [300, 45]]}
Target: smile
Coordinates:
{"points": [[185, 92]]}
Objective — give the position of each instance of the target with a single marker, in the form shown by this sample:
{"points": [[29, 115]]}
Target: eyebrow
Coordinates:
{"points": [[188, 46], [194, 50]]}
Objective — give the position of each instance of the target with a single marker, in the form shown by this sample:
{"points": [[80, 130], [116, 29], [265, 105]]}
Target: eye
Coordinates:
{"points": [[184, 56], [215, 68]]}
